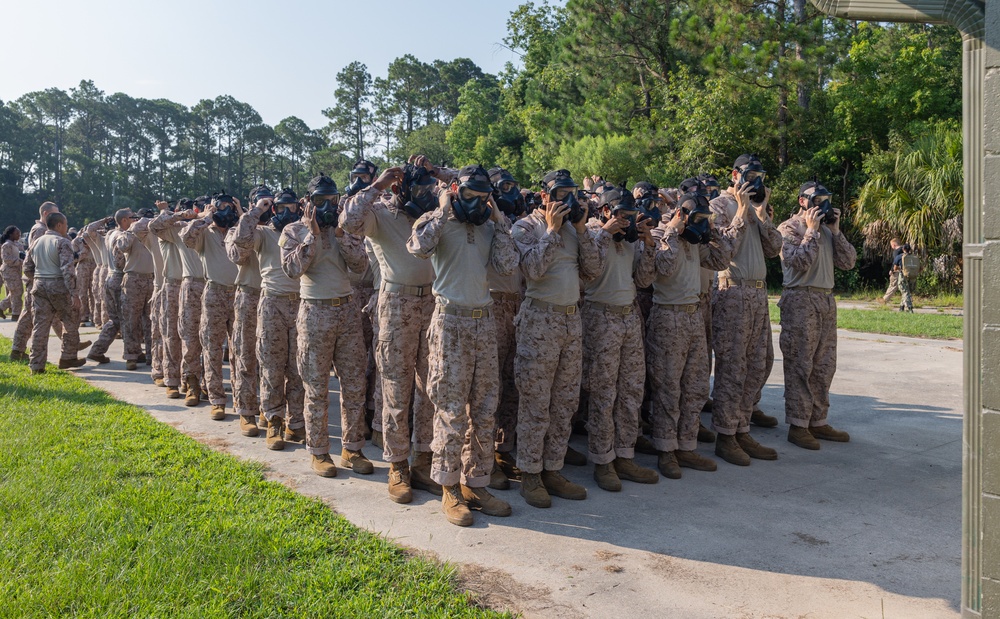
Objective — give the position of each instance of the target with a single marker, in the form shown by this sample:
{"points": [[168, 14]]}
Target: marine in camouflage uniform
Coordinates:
{"points": [[463, 380], [548, 365], [507, 295], [166, 228], [329, 335], [244, 372], [810, 251], [741, 326], [85, 267], [23, 330], [10, 270], [112, 289], [49, 263], [614, 364], [282, 394], [218, 302], [404, 310], [137, 290]]}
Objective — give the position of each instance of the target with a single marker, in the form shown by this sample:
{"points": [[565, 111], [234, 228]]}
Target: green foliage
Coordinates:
{"points": [[891, 322], [108, 513]]}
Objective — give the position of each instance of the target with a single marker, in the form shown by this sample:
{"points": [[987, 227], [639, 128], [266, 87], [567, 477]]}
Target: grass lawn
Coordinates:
{"points": [[872, 295], [891, 322], [105, 512]]}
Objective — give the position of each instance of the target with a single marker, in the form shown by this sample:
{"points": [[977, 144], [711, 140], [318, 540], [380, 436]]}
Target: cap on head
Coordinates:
{"points": [[499, 175], [557, 179], [322, 185], [690, 185], [202, 201], [259, 192], [476, 178], [745, 160], [286, 196], [708, 180], [184, 204], [646, 187], [812, 188], [365, 167]]}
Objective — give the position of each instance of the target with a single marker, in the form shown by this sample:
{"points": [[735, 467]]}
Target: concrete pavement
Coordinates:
{"points": [[865, 529]]}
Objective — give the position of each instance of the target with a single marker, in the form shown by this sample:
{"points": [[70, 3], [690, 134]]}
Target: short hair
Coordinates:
{"points": [[121, 214], [54, 219], [47, 207], [894, 240]]}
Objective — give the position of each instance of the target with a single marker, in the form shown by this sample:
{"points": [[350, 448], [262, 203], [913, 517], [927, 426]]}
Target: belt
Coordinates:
{"points": [[334, 302], [173, 281], [811, 289], [248, 289], [624, 310], [569, 310], [747, 283], [134, 274], [454, 310], [291, 296], [212, 284], [505, 296], [416, 291], [689, 308], [200, 280]]}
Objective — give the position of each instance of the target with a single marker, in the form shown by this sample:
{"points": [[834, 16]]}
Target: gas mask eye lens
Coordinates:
{"points": [[318, 200]]}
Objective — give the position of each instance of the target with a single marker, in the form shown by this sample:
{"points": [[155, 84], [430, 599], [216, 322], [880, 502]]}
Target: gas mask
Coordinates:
{"points": [[699, 217], [111, 224], [472, 205], [361, 169], [325, 198], [260, 192], [148, 212], [225, 215], [281, 209], [72, 234], [819, 196], [646, 204], [619, 200], [577, 209], [416, 193], [507, 194], [754, 174], [711, 185]]}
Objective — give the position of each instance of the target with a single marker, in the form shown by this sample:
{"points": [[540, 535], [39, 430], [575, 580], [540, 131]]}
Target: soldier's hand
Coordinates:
{"points": [[309, 218], [77, 303], [813, 218], [743, 201], [554, 215], [445, 196], [263, 205], [239, 207], [835, 225], [678, 221], [763, 210], [388, 177], [162, 205], [421, 161], [338, 232], [614, 225]]}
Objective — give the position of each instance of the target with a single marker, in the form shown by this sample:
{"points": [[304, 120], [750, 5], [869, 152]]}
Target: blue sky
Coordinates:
{"points": [[280, 57]]}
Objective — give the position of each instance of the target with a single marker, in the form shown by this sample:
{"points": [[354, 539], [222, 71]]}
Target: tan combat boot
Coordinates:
{"points": [[505, 460], [481, 499], [829, 433], [454, 507], [627, 469], [754, 449], [356, 461], [130, 364], [802, 437], [705, 435], [173, 393], [729, 450], [323, 465], [761, 419], [193, 392], [297, 435], [248, 425], [275, 429], [694, 460], [66, 364], [498, 481], [159, 382], [533, 490], [420, 473], [399, 482], [607, 478], [559, 486], [574, 457], [217, 412], [667, 463]]}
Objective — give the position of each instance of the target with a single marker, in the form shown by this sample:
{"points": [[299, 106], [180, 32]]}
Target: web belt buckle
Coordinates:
{"points": [[477, 313], [758, 284]]}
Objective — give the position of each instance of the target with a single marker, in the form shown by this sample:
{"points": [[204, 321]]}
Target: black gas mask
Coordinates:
{"points": [[507, 194], [754, 174], [259, 193], [699, 217], [618, 200], [325, 198], [226, 214], [532, 201], [111, 224], [281, 213], [472, 205], [147, 211], [416, 193], [72, 234], [561, 188], [363, 175], [711, 185], [819, 196]]}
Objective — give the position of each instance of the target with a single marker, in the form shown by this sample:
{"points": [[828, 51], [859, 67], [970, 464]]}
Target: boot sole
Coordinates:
{"points": [[326, 473], [462, 522], [612, 488], [740, 462], [502, 513], [568, 497], [708, 468], [809, 446], [251, 432], [174, 396], [538, 504], [401, 499], [832, 439], [276, 446], [360, 469]]}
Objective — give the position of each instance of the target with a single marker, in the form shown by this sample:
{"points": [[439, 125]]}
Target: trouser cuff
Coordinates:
{"points": [[354, 445], [603, 458], [449, 478], [726, 431], [818, 423], [665, 444], [687, 445], [627, 453], [318, 451], [532, 468], [475, 482], [795, 421], [553, 465]]}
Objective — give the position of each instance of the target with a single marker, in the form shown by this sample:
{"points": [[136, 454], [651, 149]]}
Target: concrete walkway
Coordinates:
{"points": [[865, 529]]}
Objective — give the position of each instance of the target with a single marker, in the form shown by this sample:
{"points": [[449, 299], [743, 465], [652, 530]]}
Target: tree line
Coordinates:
{"points": [[631, 90]]}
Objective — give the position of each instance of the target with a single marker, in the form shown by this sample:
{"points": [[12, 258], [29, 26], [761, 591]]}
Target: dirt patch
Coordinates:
{"points": [[614, 569], [606, 555], [809, 539], [498, 590]]}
